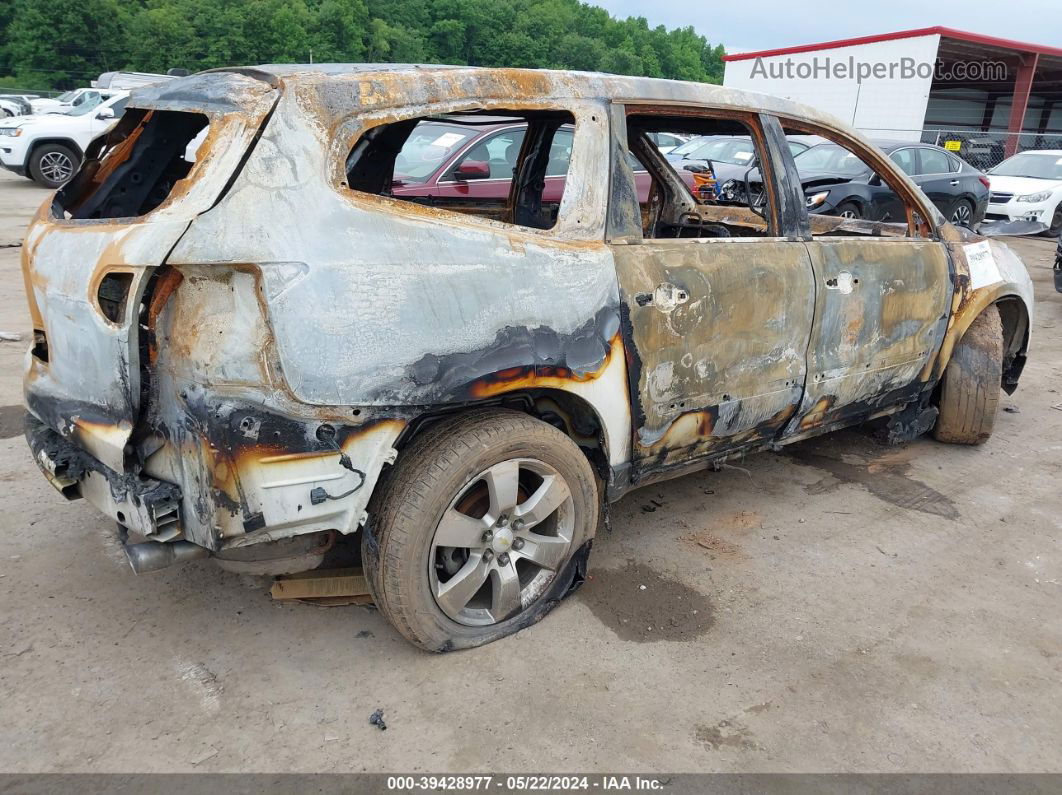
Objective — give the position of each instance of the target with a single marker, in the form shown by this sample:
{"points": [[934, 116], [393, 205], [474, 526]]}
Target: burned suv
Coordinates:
{"points": [[247, 340]]}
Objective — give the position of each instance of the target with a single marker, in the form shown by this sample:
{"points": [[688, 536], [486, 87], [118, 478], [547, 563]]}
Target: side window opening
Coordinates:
{"points": [[905, 159], [846, 194], [935, 162], [698, 189], [499, 151], [509, 166], [136, 166]]}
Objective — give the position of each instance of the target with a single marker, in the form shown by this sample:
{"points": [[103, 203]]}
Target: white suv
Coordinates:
{"points": [[49, 148], [79, 99], [1028, 186]]}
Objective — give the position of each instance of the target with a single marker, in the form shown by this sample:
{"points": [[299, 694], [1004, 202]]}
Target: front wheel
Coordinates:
{"points": [[849, 210], [479, 528], [969, 393], [1055, 229], [52, 165]]}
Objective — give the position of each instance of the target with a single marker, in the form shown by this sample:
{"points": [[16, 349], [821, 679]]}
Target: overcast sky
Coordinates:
{"points": [[765, 24]]}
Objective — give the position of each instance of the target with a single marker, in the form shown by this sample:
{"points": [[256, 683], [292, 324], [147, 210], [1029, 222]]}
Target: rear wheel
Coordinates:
{"points": [[962, 214], [478, 529], [969, 397], [52, 165]]}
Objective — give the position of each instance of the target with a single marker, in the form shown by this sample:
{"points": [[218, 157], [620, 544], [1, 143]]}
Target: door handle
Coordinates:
{"points": [[843, 281], [955, 183]]}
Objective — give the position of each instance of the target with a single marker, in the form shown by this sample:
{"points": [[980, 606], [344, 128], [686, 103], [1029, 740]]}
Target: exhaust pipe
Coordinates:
{"points": [[154, 555]]}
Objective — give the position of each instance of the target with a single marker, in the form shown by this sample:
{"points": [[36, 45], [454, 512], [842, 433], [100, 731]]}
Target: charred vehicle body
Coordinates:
{"points": [[245, 343]]}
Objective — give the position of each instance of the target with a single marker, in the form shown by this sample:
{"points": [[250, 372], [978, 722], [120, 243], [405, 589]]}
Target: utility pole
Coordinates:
{"points": [[311, 55]]}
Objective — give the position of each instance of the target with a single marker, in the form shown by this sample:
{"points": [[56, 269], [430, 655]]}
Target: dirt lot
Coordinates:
{"points": [[840, 606]]}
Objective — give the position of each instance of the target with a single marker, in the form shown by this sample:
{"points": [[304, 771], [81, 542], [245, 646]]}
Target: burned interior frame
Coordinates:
{"points": [[135, 168], [370, 166], [672, 211]]}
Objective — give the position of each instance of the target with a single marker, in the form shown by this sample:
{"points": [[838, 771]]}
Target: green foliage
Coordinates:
{"points": [[65, 43]]}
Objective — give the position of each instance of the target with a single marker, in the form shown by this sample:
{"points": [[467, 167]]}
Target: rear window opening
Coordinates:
{"points": [[134, 169], [510, 166]]}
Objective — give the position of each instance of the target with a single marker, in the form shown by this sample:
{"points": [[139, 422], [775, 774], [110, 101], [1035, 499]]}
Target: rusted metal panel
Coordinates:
{"points": [[719, 329], [881, 312], [998, 274], [89, 389], [413, 306]]}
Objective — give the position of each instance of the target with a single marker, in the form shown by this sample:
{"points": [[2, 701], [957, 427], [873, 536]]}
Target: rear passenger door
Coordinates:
{"points": [[718, 300], [939, 179]]}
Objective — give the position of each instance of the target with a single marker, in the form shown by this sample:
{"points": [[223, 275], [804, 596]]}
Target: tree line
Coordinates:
{"points": [[65, 43]]}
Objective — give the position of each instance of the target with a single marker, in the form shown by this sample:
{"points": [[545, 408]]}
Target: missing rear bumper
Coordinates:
{"points": [[145, 506]]}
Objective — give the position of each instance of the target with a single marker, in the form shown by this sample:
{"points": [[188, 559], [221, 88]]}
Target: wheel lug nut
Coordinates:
{"points": [[488, 537], [518, 543], [488, 556], [518, 524], [503, 559], [503, 520]]}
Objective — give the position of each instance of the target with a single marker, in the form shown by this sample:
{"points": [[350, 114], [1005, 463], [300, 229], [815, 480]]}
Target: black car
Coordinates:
{"points": [[836, 182]]}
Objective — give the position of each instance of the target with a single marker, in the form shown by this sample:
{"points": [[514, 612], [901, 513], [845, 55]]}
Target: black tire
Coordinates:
{"points": [[399, 554], [969, 396], [854, 211], [962, 213], [49, 163], [1055, 229]]}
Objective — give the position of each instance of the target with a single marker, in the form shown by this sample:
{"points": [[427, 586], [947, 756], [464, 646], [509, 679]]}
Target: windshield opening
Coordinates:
{"points": [[1028, 164], [429, 146], [89, 105], [829, 158], [735, 151]]}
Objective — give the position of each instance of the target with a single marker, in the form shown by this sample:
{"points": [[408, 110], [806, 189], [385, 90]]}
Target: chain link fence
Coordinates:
{"points": [[983, 150], [40, 92]]}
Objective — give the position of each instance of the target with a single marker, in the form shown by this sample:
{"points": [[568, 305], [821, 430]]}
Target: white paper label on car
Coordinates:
{"points": [[743, 155], [447, 139], [983, 268]]}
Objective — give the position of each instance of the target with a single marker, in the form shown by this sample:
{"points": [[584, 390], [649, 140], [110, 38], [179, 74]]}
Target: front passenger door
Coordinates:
{"points": [[882, 301]]}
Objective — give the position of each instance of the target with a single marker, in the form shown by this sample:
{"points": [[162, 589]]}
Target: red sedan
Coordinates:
{"points": [[474, 157]]}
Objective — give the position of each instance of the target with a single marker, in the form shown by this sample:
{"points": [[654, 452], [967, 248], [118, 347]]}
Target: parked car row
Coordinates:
{"points": [[16, 104], [49, 147], [836, 182]]}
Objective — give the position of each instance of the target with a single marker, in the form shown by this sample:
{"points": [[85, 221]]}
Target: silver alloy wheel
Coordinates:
{"points": [[849, 214], [961, 215], [56, 166], [501, 542]]}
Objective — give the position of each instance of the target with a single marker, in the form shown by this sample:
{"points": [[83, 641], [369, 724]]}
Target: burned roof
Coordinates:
{"points": [[393, 85]]}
